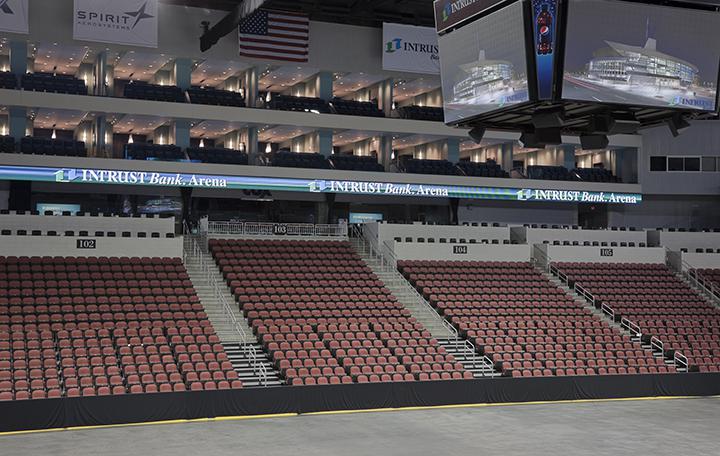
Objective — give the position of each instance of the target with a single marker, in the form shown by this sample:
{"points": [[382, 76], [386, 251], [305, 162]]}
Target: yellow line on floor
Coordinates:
{"points": [[152, 423], [499, 404], [344, 412]]}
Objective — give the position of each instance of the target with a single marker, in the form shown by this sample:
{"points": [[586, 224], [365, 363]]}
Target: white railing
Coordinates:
{"points": [[630, 326], [388, 264], [681, 360], [277, 229], [579, 289], [609, 311], [541, 259], [688, 272], [657, 344], [192, 250]]}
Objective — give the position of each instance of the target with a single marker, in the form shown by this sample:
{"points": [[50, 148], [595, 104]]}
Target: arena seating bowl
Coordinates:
{"points": [[324, 318], [77, 326]]}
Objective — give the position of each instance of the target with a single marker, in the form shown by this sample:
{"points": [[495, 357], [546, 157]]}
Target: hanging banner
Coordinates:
{"points": [[130, 22], [410, 48], [14, 16]]}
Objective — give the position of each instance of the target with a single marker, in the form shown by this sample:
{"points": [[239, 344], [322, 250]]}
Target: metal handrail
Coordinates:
{"points": [[681, 359], [249, 350], [630, 326], [543, 256], [657, 344], [689, 272], [277, 229], [370, 246]]}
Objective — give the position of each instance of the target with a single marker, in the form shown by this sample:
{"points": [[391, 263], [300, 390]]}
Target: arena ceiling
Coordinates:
{"points": [[370, 13]]}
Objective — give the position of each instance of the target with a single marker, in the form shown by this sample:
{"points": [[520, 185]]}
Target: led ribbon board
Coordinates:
{"points": [[220, 182]]}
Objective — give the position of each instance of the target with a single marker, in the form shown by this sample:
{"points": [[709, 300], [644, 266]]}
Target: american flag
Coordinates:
{"points": [[275, 35]]}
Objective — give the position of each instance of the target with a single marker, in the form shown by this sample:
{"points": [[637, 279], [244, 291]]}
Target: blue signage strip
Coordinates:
{"points": [[157, 179]]}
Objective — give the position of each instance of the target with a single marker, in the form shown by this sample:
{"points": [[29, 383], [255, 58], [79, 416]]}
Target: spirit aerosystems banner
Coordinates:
{"points": [[220, 182], [410, 48], [14, 16], [130, 22]]}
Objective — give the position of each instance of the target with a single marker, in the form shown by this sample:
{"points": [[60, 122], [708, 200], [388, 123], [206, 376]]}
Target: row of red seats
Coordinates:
{"points": [[329, 329], [479, 314], [683, 320]]}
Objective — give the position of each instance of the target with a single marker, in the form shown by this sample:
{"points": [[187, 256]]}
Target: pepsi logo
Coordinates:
{"points": [[544, 30]]}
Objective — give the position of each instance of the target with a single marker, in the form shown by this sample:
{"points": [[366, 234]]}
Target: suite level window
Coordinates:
{"points": [[658, 163], [675, 164], [692, 163], [678, 164], [709, 164]]}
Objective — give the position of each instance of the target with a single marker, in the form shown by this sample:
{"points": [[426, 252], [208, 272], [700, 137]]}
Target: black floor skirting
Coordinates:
{"points": [[88, 411]]}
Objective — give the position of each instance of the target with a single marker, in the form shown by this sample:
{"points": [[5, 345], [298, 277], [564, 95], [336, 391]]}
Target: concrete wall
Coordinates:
{"points": [[387, 231], [702, 139], [558, 254], [518, 212], [90, 224], [107, 247], [474, 252], [684, 240], [538, 235], [679, 211], [701, 260]]}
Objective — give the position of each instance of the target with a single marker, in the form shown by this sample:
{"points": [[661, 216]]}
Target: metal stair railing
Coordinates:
{"points": [[193, 250], [656, 344], [389, 266], [689, 273], [276, 229]]}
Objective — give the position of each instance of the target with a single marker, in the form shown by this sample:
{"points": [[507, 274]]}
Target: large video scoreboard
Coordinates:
{"points": [[646, 58]]}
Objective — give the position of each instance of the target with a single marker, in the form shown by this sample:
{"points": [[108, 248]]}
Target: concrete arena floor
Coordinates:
{"points": [[637, 427]]}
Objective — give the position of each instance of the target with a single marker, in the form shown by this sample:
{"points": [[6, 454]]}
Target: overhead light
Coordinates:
{"points": [[268, 97], [241, 147], [268, 148], [202, 142], [130, 139], [54, 135]]}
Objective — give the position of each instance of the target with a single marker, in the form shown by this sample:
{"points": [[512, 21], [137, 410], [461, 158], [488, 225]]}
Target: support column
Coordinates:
{"points": [[506, 156], [162, 135], [18, 58], [324, 85], [385, 96], [325, 142], [385, 151], [181, 133], [452, 146], [100, 70], [186, 195], [453, 210], [182, 73], [100, 136], [250, 85], [568, 156], [17, 122]]}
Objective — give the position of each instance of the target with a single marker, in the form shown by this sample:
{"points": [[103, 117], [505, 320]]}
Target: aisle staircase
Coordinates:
{"points": [[626, 327], [463, 350], [247, 356]]}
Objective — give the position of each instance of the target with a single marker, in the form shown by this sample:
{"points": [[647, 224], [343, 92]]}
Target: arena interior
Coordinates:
{"points": [[359, 227]]}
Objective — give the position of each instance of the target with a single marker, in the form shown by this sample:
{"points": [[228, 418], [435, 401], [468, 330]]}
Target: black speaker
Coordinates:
{"points": [[591, 142]]}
